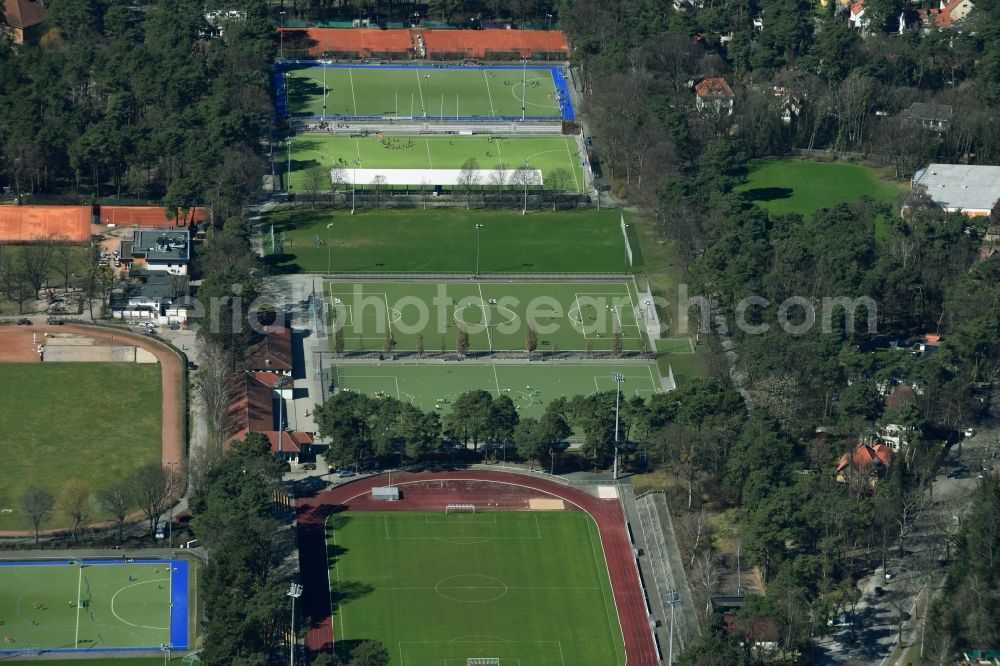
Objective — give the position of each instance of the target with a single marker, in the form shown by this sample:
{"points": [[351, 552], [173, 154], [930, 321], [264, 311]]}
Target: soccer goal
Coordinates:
{"points": [[482, 661], [462, 508]]}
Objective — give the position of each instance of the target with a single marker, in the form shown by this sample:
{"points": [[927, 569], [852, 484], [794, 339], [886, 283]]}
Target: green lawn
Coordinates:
{"points": [[415, 92], [89, 421], [436, 589], [126, 606], [427, 240], [567, 316], [547, 153], [530, 386], [803, 187]]}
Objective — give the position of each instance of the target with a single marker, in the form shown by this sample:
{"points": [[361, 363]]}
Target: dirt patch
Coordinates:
{"points": [[16, 347]]}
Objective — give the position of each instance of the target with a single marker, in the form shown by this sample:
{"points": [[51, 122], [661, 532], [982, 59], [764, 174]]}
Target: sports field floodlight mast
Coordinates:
{"points": [[328, 249], [281, 37], [524, 85], [294, 591], [618, 378], [671, 597], [479, 228]]}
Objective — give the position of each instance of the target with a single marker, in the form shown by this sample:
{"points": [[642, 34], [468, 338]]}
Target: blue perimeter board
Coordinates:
{"points": [[278, 83], [178, 602]]}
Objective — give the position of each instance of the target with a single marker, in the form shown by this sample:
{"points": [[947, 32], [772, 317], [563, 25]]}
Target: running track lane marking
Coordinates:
{"points": [[625, 581], [487, 79], [79, 585], [604, 594]]}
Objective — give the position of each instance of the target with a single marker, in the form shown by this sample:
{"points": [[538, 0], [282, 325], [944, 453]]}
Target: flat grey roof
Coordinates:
{"points": [[162, 245], [961, 186]]}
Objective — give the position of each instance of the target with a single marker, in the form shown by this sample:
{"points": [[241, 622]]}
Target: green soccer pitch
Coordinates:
{"points": [[414, 92], [566, 316], [437, 589], [123, 606], [413, 241], [433, 387], [558, 157], [60, 420]]}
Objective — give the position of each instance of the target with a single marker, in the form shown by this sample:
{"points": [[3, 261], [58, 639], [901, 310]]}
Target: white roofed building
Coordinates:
{"points": [[961, 188]]}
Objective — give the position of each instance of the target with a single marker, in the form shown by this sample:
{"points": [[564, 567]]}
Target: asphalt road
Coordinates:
{"points": [[874, 637]]}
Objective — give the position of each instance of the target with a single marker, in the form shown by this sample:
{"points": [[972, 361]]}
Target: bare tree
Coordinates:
{"points": [[498, 180], [378, 181], [316, 181], [37, 260], [524, 178], [149, 488], [338, 179], [211, 384], [74, 504], [114, 501], [65, 260], [14, 280], [36, 508], [558, 181], [468, 177], [101, 282], [704, 578]]}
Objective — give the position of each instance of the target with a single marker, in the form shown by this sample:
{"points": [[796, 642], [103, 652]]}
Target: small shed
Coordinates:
{"points": [[386, 494]]}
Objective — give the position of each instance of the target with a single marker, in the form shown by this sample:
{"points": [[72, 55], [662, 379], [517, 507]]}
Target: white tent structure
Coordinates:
{"points": [[432, 177]]}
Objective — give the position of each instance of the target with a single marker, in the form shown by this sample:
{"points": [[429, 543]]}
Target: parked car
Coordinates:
{"points": [[192, 365], [345, 473], [309, 466], [879, 591], [55, 321], [24, 321]]}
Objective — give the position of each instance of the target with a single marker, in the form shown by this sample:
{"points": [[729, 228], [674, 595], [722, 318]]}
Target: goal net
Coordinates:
{"points": [[462, 508], [482, 661]]}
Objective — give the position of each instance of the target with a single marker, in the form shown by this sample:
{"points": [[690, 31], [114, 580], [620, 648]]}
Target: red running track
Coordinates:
{"points": [[425, 490]]}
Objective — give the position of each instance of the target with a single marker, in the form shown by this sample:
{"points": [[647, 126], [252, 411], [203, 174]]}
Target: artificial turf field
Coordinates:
{"points": [[412, 241], [432, 387], [94, 422], [436, 588], [433, 92], [567, 316], [547, 153], [803, 187], [140, 605]]}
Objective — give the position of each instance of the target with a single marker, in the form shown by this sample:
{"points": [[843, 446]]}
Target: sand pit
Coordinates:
{"points": [[546, 505]]}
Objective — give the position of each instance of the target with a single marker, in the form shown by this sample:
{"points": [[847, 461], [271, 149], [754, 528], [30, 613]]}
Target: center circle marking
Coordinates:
{"points": [[512, 316], [471, 588]]}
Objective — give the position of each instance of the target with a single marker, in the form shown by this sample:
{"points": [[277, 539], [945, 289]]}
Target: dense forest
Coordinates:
{"points": [[126, 101]]}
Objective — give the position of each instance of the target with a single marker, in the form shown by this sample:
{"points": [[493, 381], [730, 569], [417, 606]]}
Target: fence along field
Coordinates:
{"points": [[425, 92], [566, 316], [530, 386], [101, 606]]}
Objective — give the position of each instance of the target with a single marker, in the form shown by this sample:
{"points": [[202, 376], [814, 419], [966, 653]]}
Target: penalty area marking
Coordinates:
{"points": [[119, 617]]}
